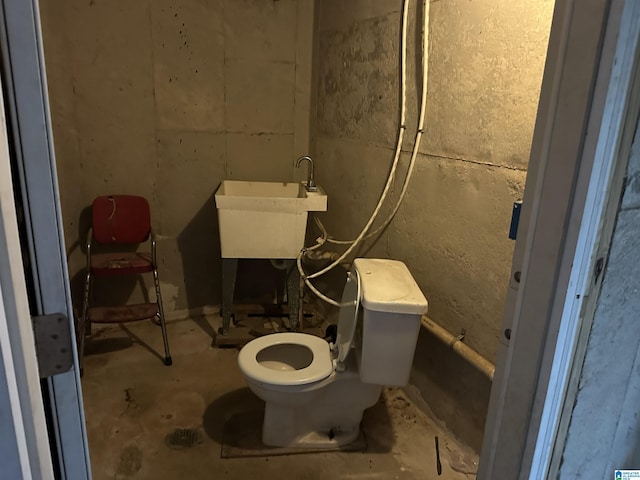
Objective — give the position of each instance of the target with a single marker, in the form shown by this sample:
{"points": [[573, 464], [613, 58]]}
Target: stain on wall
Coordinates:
{"points": [[166, 98], [486, 60]]}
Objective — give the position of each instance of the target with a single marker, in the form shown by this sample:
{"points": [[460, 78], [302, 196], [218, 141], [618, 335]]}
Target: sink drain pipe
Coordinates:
{"points": [[456, 344]]}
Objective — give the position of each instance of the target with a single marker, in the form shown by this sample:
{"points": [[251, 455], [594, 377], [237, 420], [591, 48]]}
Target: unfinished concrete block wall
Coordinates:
{"points": [[486, 60], [166, 98]]}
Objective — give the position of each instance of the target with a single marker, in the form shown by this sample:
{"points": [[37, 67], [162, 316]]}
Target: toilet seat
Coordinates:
{"points": [[321, 365]]}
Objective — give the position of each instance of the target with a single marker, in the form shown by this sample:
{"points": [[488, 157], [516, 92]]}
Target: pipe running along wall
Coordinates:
{"points": [[401, 131], [457, 345]]}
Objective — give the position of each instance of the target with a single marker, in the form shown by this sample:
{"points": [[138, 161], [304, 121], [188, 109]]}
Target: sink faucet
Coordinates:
{"points": [[311, 185]]}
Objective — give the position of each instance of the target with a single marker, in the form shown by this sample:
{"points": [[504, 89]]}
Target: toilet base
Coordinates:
{"points": [[327, 440], [327, 417], [324, 414], [287, 427]]}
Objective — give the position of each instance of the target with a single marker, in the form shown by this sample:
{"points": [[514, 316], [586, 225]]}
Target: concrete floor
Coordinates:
{"points": [[133, 403]]}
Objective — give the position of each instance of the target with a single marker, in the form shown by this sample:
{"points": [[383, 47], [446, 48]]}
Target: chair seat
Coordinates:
{"points": [[122, 313], [126, 263], [120, 222]]}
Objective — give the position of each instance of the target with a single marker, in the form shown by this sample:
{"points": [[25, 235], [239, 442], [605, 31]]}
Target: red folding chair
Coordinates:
{"points": [[120, 220]]}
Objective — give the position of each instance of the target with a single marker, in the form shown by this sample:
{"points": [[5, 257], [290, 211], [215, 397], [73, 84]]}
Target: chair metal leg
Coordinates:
{"points": [[80, 332], [85, 303], [83, 323], [163, 325]]}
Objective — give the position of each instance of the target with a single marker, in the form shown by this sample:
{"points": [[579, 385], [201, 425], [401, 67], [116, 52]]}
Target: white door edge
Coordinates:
{"points": [[601, 202], [16, 335]]}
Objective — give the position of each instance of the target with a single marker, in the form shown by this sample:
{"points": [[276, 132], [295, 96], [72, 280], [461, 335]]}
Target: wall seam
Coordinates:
{"points": [[424, 154], [155, 117], [477, 162], [224, 89]]}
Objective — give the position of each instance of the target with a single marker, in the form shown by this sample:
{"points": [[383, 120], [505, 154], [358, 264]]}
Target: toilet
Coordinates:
{"points": [[315, 392]]}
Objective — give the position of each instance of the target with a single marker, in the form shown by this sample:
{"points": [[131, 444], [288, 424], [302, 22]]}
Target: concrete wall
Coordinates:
{"points": [[165, 98], [604, 421], [485, 68]]}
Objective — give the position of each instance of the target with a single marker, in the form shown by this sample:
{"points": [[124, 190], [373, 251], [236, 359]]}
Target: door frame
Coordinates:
{"points": [[32, 155], [587, 116], [569, 121], [24, 442], [555, 397]]}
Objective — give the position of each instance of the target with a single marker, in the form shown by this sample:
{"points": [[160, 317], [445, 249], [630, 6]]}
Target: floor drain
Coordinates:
{"points": [[184, 438]]}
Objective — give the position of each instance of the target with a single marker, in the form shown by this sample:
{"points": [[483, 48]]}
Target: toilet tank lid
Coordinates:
{"points": [[388, 286]]}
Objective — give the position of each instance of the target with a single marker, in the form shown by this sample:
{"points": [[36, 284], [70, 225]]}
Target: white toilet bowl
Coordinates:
{"points": [[314, 392], [294, 374]]}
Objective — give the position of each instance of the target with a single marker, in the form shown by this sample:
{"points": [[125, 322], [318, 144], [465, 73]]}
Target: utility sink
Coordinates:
{"points": [[265, 219]]}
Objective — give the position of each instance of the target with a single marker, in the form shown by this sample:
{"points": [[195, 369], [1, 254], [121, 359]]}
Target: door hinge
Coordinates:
{"points": [[53, 344]]}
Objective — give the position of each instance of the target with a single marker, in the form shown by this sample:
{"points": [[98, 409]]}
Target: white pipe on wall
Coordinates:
{"points": [[483, 365], [420, 130], [396, 159]]}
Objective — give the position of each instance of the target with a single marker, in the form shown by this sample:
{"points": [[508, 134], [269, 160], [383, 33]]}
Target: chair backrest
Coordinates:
{"points": [[121, 219]]}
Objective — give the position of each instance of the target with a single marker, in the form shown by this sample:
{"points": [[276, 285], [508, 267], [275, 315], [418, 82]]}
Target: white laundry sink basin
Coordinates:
{"points": [[265, 219]]}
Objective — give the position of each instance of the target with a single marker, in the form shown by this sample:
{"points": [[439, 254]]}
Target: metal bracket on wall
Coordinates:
{"points": [[53, 344]]}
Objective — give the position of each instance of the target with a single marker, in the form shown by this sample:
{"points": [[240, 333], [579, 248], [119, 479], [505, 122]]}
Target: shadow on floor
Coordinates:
{"points": [[378, 428], [100, 346], [96, 345], [224, 407], [376, 421]]}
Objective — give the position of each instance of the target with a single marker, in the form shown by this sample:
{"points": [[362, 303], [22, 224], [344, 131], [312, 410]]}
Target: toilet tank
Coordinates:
{"points": [[392, 305]]}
